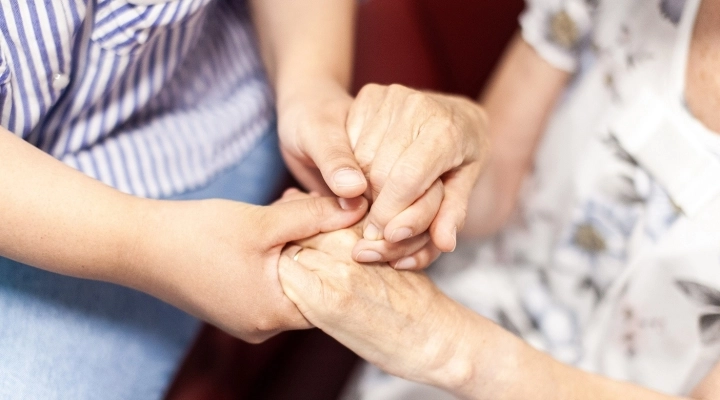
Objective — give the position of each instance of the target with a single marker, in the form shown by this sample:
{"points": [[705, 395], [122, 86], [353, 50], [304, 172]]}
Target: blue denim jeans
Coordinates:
{"points": [[68, 338]]}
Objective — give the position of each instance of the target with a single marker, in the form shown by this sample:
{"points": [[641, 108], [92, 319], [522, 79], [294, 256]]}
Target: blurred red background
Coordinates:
{"points": [[448, 45]]}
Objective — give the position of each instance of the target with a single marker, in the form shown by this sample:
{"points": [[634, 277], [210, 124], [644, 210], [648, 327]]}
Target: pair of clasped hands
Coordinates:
{"points": [[390, 173], [404, 164]]}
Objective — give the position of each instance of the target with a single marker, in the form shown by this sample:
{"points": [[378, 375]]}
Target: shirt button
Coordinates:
{"points": [[60, 81]]}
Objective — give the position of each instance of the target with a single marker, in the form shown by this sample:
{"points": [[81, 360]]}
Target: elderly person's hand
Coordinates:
{"points": [[398, 320], [401, 322], [422, 153]]}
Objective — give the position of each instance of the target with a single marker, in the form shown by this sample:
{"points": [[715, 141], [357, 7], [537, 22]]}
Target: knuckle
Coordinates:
{"points": [[347, 237], [416, 101], [396, 88], [336, 153], [406, 177], [461, 211], [365, 157], [316, 207], [461, 217], [370, 88], [450, 128], [378, 177], [344, 273], [437, 191], [448, 140]]}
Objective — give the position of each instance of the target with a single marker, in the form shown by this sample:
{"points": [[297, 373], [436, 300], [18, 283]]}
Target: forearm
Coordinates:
{"points": [[500, 366], [58, 219], [304, 41], [518, 100]]}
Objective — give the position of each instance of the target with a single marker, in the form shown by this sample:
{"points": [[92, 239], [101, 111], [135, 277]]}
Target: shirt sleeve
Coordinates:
{"points": [[557, 30]]}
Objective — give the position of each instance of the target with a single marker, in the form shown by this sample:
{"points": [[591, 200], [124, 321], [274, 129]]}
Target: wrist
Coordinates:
{"points": [[453, 365], [135, 242], [484, 362], [156, 248], [291, 92]]}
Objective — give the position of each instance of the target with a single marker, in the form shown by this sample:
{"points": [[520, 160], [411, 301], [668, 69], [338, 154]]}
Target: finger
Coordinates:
{"points": [[453, 210], [418, 260], [299, 219], [291, 251], [309, 281], [308, 176], [407, 115], [334, 243], [418, 217], [334, 157], [380, 134], [370, 251], [395, 140], [316, 261], [411, 176]]}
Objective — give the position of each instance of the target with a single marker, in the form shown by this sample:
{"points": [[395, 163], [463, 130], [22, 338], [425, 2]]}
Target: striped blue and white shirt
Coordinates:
{"points": [[153, 97]]}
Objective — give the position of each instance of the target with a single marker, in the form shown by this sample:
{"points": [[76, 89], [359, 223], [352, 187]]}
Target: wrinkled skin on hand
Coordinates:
{"points": [[397, 320], [422, 153]]}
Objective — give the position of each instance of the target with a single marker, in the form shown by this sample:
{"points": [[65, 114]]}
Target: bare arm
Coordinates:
{"points": [[500, 366], [58, 219], [307, 49], [304, 40], [215, 259], [402, 323], [518, 100]]}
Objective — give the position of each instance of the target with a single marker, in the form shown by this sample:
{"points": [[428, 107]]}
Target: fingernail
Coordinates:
{"points": [[347, 177], [454, 235], [368, 256], [372, 232], [400, 234], [350, 204], [406, 263]]}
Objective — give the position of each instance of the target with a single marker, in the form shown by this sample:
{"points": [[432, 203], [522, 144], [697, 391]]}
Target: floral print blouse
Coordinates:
{"points": [[613, 260]]}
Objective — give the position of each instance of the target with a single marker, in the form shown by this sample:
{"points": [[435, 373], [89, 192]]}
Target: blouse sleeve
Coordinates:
{"points": [[557, 30]]}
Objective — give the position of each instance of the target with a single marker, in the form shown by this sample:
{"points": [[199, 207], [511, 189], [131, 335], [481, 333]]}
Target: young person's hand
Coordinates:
{"points": [[218, 259], [313, 140], [307, 49]]}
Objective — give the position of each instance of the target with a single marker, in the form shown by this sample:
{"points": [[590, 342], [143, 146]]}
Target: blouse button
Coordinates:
{"points": [[60, 81]]}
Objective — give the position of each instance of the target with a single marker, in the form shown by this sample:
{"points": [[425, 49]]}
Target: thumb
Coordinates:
{"points": [[334, 157], [299, 219]]}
